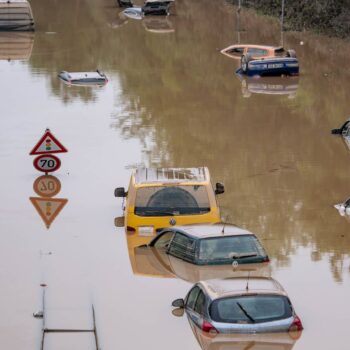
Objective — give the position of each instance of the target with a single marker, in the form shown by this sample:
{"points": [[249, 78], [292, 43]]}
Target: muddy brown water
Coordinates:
{"points": [[172, 100]]}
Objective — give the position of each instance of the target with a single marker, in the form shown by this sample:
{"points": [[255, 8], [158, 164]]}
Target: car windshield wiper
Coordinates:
{"points": [[245, 312], [243, 255]]}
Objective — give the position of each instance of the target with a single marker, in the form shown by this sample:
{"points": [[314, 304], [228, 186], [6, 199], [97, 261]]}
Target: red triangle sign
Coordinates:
{"points": [[48, 208], [48, 144]]}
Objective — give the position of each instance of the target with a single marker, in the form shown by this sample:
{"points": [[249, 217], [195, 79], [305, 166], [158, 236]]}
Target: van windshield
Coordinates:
{"points": [[172, 200], [251, 309]]}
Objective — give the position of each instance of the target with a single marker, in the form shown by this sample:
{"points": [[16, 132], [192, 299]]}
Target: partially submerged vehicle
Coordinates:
{"points": [[150, 7], [16, 15], [264, 60], [125, 3], [218, 244], [344, 208], [201, 252], [240, 305], [164, 197], [16, 45], [156, 7], [344, 131], [268, 85], [84, 78]]}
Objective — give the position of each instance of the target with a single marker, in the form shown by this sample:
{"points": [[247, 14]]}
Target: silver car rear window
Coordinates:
{"points": [[251, 309]]}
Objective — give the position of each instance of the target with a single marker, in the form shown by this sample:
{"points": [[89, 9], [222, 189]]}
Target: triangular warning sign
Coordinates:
{"points": [[48, 144], [48, 208]]}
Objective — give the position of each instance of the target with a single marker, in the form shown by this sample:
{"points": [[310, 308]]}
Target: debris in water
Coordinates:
{"points": [[38, 314]]}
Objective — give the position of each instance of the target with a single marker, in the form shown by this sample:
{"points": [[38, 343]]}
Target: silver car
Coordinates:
{"points": [[240, 305]]}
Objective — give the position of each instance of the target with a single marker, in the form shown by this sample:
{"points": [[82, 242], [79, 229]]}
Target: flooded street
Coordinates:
{"points": [[172, 100]]}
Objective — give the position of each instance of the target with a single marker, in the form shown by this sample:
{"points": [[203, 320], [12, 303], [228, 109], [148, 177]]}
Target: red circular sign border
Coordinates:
{"points": [[37, 167]]}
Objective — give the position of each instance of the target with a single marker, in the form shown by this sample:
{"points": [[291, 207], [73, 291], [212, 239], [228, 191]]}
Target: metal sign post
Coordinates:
{"points": [[46, 330]]}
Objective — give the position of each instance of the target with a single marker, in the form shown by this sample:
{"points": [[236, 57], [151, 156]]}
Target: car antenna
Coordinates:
{"points": [[223, 228], [225, 222], [247, 286]]}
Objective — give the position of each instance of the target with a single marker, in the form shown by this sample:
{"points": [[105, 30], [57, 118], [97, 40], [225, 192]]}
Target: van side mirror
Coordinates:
{"points": [[120, 192], [178, 303], [219, 188]]}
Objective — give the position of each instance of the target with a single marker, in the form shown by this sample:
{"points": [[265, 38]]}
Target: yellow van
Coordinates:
{"points": [[165, 197]]}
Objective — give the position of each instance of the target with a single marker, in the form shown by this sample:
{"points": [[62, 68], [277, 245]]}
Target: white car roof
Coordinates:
{"points": [[218, 288], [84, 75]]}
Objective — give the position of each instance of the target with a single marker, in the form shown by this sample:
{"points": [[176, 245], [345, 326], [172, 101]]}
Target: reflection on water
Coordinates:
{"points": [[269, 86], [273, 341], [16, 45], [47, 186]]}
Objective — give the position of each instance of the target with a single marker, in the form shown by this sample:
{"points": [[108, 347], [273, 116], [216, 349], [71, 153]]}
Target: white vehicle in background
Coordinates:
{"points": [[16, 15], [83, 78], [150, 7]]}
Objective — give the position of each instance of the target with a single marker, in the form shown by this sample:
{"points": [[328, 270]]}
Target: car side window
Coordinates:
{"points": [[192, 296], [163, 241], [200, 302]]}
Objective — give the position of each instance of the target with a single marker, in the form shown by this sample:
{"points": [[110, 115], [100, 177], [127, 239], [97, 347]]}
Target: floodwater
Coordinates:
{"points": [[172, 100]]}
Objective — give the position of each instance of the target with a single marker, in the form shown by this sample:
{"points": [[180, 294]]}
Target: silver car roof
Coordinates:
{"points": [[236, 286]]}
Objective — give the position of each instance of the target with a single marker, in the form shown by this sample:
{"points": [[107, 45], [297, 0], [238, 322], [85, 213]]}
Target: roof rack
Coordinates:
{"points": [[154, 175]]}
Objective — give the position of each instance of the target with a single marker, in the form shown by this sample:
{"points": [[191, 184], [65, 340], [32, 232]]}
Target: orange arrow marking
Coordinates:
{"points": [[48, 208]]}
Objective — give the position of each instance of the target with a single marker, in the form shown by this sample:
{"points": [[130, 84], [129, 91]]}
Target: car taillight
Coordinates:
{"points": [[296, 325], [130, 229], [208, 327], [267, 259]]}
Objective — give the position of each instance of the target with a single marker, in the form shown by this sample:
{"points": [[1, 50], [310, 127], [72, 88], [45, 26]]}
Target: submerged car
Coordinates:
{"points": [[264, 60], [125, 3], [344, 208], [150, 7], [83, 78], [217, 244], [344, 131], [159, 198], [240, 305], [16, 15], [201, 252]]}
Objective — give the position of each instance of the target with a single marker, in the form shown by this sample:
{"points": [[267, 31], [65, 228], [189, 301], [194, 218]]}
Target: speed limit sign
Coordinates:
{"points": [[47, 163]]}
